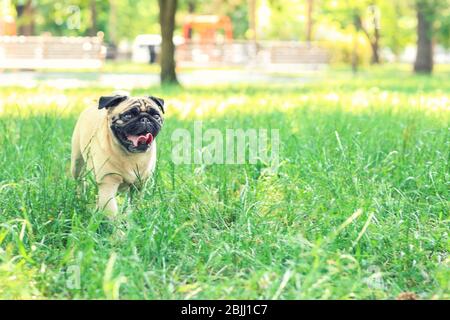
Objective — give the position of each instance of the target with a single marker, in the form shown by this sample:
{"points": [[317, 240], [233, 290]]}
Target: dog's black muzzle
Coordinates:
{"points": [[140, 125]]}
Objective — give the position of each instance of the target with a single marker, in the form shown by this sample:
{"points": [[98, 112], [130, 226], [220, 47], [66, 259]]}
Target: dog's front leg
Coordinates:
{"points": [[107, 190]]}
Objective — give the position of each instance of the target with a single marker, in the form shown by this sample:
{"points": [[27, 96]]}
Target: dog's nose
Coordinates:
{"points": [[145, 120]]}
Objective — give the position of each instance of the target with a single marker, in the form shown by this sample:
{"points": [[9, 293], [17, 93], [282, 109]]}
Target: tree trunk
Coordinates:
{"points": [[191, 6], [112, 22], [355, 59], [252, 19], [167, 10], [375, 43], [93, 27], [25, 15], [373, 40], [424, 58], [376, 47], [309, 20]]}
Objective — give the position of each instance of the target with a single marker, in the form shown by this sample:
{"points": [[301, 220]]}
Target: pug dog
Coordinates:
{"points": [[116, 141]]}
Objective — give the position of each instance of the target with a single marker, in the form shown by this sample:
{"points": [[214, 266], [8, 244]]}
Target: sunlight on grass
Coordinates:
{"points": [[17, 279]]}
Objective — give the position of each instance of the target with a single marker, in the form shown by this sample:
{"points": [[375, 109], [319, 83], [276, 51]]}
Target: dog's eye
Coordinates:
{"points": [[127, 116], [157, 116]]}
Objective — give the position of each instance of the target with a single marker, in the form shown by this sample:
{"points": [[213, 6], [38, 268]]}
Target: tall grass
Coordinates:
{"points": [[358, 207]]}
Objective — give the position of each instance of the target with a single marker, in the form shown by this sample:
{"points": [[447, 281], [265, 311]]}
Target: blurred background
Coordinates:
{"points": [[140, 42]]}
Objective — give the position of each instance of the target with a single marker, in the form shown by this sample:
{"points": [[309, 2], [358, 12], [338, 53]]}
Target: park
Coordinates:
{"points": [[304, 152]]}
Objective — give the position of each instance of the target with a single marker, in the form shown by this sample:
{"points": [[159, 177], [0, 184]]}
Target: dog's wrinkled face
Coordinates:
{"points": [[134, 121]]}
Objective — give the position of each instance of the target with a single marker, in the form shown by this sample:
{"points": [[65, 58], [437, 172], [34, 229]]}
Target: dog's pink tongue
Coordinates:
{"points": [[137, 140]]}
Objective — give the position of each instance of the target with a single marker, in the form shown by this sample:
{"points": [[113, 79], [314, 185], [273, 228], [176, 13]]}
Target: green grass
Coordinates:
{"points": [[357, 209]]}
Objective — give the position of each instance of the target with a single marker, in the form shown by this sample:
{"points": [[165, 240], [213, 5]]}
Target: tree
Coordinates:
{"points": [[309, 19], [358, 16], [112, 23], [432, 25], [252, 18], [424, 57], [93, 10], [167, 10], [355, 58], [191, 6], [25, 15], [374, 36]]}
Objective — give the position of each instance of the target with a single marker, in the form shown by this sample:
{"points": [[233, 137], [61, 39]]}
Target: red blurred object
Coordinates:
{"points": [[7, 25], [207, 27]]}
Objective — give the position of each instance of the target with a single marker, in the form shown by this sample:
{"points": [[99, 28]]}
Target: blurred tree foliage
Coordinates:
{"points": [[118, 19], [438, 14], [384, 23]]}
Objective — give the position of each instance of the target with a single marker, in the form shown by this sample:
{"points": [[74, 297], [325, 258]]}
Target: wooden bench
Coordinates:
{"points": [[263, 53], [291, 53], [36, 52]]}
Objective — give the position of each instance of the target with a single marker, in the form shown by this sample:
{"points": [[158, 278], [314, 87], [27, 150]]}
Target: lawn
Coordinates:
{"points": [[358, 206]]}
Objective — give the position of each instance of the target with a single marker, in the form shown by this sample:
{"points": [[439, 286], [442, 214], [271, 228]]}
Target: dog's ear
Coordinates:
{"points": [[111, 101], [159, 102]]}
